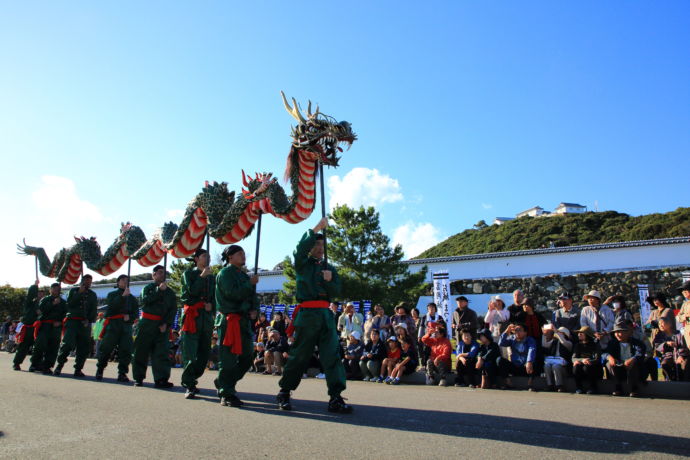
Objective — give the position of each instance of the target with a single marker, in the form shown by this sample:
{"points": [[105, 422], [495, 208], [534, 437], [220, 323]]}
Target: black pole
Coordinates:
{"points": [[165, 263], [208, 250], [36, 265], [258, 242], [323, 214], [129, 269]]}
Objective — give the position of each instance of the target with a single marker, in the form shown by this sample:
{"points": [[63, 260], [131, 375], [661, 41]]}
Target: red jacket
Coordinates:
{"points": [[440, 347]]}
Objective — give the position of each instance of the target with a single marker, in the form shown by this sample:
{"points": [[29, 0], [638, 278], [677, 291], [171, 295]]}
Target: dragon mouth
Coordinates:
{"points": [[328, 147]]}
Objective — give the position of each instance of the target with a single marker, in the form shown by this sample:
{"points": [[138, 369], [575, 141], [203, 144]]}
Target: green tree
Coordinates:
{"points": [[287, 294], [11, 301]]}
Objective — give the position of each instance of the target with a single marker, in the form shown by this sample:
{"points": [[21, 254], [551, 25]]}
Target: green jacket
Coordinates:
{"points": [[82, 304], [196, 289], [50, 312], [234, 292], [29, 314], [310, 282], [155, 301], [121, 305]]}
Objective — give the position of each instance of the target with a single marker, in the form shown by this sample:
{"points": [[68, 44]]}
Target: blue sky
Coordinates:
{"points": [[464, 110]]}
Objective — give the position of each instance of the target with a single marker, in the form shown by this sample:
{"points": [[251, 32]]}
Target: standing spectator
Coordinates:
{"points": [[672, 350], [260, 327], [402, 317], [663, 310], [276, 353], [532, 320], [684, 314], [431, 319], [408, 362], [557, 351], [466, 365], [392, 359], [333, 306], [523, 354], [374, 354], [497, 317], [353, 353], [599, 318], [586, 364], [417, 320], [213, 356], [487, 358], [440, 349], [464, 318], [278, 323], [96, 332], [516, 308], [624, 358], [380, 322], [350, 321], [566, 316]]}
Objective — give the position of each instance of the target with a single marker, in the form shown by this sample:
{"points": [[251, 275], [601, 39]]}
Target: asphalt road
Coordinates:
{"points": [[62, 417]]}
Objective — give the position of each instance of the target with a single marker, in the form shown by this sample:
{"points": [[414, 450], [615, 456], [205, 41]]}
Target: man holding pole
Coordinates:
{"points": [[76, 327], [47, 330], [158, 308], [120, 314], [317, 284], [198, 296], [25, 338]]}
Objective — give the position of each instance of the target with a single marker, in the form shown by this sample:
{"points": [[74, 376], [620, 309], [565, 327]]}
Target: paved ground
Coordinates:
{"points": [[61, 417]]}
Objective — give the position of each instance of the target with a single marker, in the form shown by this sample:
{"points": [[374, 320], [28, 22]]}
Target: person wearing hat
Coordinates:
{"points": [[624, 357], [121, 311], [25, 337], [198, 315], [684, 313], [276, 353], [557, 350], [532, 320], [586, 364], [672, 350], [235, 297], [463, 318], [403, 318], [158, 309], [353, 354], [497, 317], [523, 355], [393, 353], [350, 321], [662, 310], [317, 283], [487, 357], [47, 330], [599, 318], [567, 315]]}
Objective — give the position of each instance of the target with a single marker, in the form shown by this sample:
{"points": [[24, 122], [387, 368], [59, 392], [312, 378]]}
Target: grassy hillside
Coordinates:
{"points": [[567, 230]]}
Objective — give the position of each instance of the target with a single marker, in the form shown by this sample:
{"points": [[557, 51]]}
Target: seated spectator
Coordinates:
{"points": [[496, 318], [672, 350], [599, 318], [624, 358], [276, 353], [374, 354], [439, 363], [353, 353], [406, 365], [213, 356], [557, 351], [260, 327], [392, 359], [586, 364], [487, 357], [259, 357], [523, 353], [401, 332], [532, 320], [660, 309], [279, 324], [567, 315], [176, 349], [466, 365], [350, 321]]}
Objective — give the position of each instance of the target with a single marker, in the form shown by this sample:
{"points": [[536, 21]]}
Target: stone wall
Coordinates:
{"points": [[546, 289]]}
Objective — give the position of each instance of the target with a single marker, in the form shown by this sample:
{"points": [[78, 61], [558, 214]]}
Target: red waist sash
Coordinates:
{"points": [[232, 337], [191, 312], [22, 334], [308, 304], [38, 323], [106, 322], [151, 317], [66, 318]]}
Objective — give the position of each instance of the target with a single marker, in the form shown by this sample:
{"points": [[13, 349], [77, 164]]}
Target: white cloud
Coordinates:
{"points": [[57, 196], [416, 238], [487, 206], [363, 187]]}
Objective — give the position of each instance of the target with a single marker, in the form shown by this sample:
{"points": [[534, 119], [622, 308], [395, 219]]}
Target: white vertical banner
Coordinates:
{"points": [[645, 308], [686, 276], [442, 294]]}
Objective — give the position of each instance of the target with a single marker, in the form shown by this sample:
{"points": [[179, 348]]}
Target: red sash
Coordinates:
{"points": [[232, 337], [64, 322], [191, 312], [37, 326], [22, 334], [106, 322], [308, 304], [158, 318]]}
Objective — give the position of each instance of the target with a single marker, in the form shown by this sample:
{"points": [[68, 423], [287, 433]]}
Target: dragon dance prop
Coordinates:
{"points": [[216, 211]]}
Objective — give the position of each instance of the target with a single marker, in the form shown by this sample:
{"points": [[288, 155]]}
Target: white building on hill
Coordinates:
{"points": [[570, 208]]}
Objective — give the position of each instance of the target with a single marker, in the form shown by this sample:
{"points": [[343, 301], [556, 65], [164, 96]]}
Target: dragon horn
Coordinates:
{"points": [[294, 111], [309, 114], [244, 179]]}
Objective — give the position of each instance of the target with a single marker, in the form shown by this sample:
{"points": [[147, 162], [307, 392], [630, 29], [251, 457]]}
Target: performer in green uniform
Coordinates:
{"points": [[76, 327], [158, 307], [235, 297], [25, 338], [47, 330], [198, 296], [120, 313], [313, 324]]}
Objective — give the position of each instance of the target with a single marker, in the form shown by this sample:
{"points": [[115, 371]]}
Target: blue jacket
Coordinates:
{"points": [[472, 349], [521, 352]]}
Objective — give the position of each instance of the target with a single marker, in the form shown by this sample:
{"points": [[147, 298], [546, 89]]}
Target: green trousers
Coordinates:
{"points": [[76, 336], [46, 347], [117, 334], [153, 343], [24, 347], [196, 349], [231, 367], [314, 327]]}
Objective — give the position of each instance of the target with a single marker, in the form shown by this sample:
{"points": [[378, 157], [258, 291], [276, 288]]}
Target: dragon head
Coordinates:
{"points": [[319, 136]]}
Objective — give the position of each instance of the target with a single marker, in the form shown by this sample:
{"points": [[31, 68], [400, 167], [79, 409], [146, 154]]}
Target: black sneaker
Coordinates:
{"points": [[78, 373], [163, 384], [47, 371], [195, 390], [234, 401], [138, 383], [189, 394], [99, 374], [16, 367], [337, 404], [283, 399], [58, 370], [32, 369], [121, 378]]}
